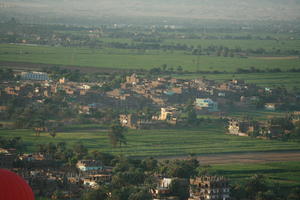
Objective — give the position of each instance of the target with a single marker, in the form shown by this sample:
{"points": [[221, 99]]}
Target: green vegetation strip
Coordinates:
{"points": [[204, 140], [235, 43], [287, 174], [134, 59]]}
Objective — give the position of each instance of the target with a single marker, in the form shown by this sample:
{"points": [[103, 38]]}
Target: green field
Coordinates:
{"points": [[243, 44], [166, 142], [286, 174], [178, 142], [283, 43], [134, 59], [257, 114]]}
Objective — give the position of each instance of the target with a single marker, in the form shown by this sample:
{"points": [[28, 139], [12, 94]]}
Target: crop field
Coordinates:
{"points": [[257, 114], [134, 59], [204, 140], [283, 43], [243, 44], [286, 174]]}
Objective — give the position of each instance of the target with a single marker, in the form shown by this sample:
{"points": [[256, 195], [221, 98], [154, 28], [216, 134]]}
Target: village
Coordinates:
{"points": [[149, 100], [49, 177], [35, 100], [138, 102]]}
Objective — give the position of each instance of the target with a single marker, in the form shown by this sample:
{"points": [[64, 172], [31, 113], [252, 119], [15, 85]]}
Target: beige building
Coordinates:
{"points": [[167, 113], [209, 188], [133, 79], [242, 128], [129, 121]]}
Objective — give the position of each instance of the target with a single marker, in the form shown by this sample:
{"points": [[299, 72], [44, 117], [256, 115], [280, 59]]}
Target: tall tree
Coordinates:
{"points": [[52, 132], [101, 193], [80, 150], [116, 135], [143, 194], [192, 117], [256, 184], [295, 194], [105, 158]]}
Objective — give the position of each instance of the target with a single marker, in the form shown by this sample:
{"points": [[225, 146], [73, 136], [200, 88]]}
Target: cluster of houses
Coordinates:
{"points": [[168, 115], [263, 129], [45, 178], [166, 96], [161, 92], [200, 188], [39, 85], [209, 96], [167, 92]]}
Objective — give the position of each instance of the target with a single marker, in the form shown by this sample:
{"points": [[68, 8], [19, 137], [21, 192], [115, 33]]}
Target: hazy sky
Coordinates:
{"points": [[196, 9]]}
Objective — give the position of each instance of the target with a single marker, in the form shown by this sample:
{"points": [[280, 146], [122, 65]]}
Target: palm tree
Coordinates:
{"points": [[39, 125], [52, 132], [116, 135]]}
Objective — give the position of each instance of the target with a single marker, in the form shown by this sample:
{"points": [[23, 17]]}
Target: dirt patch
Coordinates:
{"points": [[253, 157]]}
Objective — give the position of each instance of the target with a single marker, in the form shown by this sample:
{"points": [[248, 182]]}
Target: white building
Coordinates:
{"points": [[206, 103], [90, 183], [35, 76]]}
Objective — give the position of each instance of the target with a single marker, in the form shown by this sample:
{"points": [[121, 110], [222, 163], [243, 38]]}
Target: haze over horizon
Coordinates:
{"points": [[186, 9]]}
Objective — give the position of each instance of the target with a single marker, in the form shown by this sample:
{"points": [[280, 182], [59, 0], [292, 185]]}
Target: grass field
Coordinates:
{"points": [[134, 59], [286, 174], [257, 114], [243, 44], [204, 140], [284, 43]]}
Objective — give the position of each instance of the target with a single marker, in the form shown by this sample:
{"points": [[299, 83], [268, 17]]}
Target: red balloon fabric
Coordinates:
{"points": [[13, 187]]}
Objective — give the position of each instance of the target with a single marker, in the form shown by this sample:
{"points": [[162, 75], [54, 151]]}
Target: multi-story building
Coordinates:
{"points": [[167, 113], [209, 187], [130, 121], [164, 190], [242, 128]]}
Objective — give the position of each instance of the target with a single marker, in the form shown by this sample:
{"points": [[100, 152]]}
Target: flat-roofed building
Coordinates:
{"points": [[89, 165], [35, 76], [209, 188], [206, 103]]}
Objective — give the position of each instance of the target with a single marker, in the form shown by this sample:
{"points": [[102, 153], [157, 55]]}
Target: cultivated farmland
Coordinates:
{"points": [[165, 142], [287, 174], [135, 59]]}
